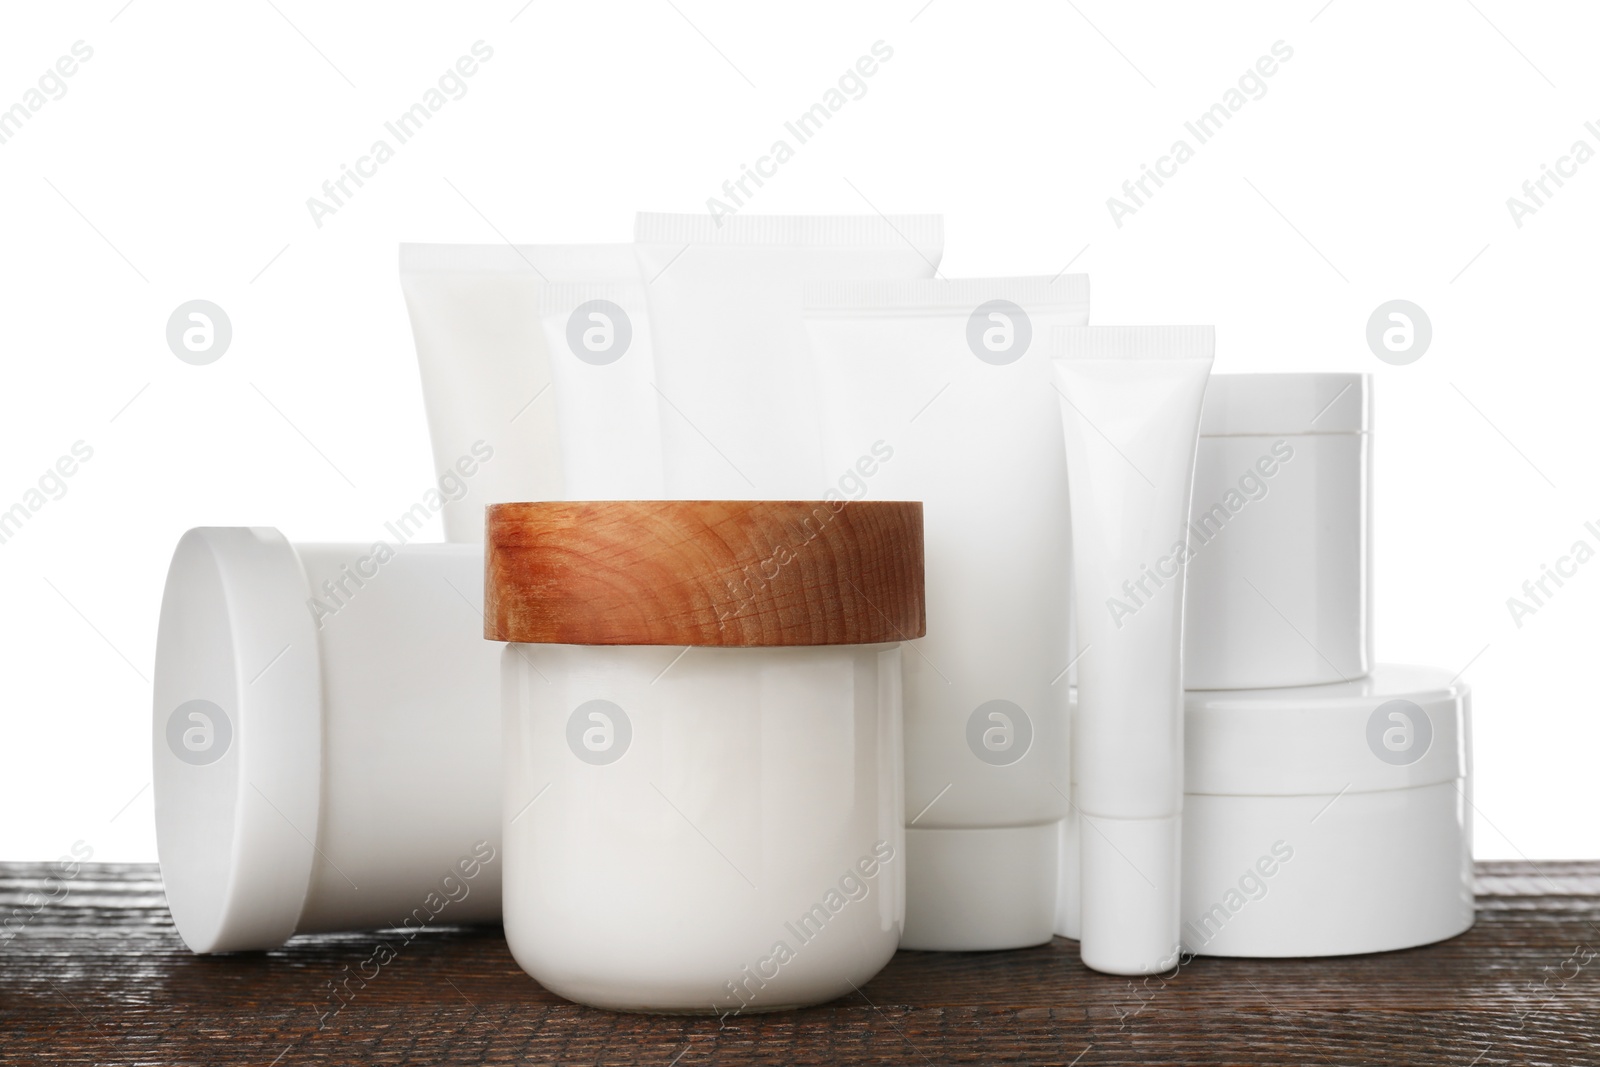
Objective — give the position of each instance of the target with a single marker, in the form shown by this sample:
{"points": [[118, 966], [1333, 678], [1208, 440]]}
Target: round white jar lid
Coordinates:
{"points": [[1397, 728], [237, 738]]}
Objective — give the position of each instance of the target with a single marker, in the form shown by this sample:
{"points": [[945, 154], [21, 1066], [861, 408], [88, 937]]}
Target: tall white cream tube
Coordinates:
{"points": [[939, 391], [486, 372], [739, 415], [597, 338], [1130, 401]]}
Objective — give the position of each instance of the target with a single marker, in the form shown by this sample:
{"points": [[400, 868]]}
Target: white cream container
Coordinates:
{"points": [[1279, 586], [607, 412], [739, 419], [495, 389], [325, 739], [703, 758], [1327, 820], [1323, 820], [935, 388]]}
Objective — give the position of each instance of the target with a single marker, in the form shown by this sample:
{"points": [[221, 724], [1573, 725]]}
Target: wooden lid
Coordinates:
{"points": [[729, 573]]}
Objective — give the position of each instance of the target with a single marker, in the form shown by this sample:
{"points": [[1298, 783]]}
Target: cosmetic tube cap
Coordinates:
{"points": [[1130, 879], [237, 739], [981, 889], [1069, 905]]}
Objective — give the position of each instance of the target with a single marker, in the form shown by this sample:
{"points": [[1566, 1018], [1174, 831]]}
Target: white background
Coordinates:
{"points": [[1378, 164]]}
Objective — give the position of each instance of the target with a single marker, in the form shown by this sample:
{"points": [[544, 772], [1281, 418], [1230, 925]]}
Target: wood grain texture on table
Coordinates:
{"points": [[97, 975]]}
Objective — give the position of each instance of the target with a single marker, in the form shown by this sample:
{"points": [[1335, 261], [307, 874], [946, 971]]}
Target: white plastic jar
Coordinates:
{"points": [[1328, 820], [325, 739], [1280, 571], [703, 756]]}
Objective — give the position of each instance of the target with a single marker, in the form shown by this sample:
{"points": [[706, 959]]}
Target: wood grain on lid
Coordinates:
{"points": [[704, 572]]}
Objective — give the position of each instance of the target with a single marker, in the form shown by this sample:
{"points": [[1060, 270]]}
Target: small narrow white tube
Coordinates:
{"points": [[739, 419], [486, 369], [1130, 407], [939, 391]]}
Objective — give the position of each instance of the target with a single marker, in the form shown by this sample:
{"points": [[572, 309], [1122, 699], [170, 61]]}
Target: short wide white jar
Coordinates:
{"points": [[703, 758]]}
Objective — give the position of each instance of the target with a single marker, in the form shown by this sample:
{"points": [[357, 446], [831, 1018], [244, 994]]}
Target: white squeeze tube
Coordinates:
{"points": [[739, 402], [486, 373], [939, 391], [597, 338], [1130, 401]]}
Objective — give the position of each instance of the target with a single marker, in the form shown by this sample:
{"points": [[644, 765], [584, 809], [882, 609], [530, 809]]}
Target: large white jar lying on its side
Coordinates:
{"points": [[324, 740], [703, 754]]}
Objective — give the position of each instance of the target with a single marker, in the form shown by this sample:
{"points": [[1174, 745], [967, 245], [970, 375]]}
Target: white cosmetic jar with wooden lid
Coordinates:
{"points": [[703, 807]]}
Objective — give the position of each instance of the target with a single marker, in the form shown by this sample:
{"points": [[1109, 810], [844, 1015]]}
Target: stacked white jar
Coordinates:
{"points": [[1330, 819]]}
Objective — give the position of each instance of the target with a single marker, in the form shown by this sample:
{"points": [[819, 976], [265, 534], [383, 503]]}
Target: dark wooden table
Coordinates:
{"points": [[98, 976]]}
